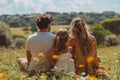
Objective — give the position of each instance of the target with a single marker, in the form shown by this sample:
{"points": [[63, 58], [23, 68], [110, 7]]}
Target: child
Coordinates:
{"points": [[64, 62]]}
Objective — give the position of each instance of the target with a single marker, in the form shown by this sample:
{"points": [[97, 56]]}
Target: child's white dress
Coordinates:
{"points": [[65, 63]]}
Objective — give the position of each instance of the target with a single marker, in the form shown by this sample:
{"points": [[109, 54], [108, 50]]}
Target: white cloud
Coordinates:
{"points": [[3, 1], [67, 6], [44, 1], [41, 6], [80, 5], [81, 2], [116, 6], [25, 3], [7, 9], [45, 5]]}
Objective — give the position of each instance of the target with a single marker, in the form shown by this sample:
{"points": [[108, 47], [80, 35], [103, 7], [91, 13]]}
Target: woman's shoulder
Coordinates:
{"points": [[73, 39], [93, 39]]}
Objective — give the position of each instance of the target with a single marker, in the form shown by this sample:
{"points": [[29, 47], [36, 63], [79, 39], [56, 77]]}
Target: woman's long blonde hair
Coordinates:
{"points": [[79, 29], [60, 39]]}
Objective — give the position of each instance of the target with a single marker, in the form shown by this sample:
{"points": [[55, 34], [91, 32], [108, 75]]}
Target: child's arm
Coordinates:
{"points": [[72, 51], [49, 56]]}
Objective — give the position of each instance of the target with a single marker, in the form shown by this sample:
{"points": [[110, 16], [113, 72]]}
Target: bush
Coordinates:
{"points": [[18, 36], [112, 25], [25, 29], [99, 32], [5, 36], [20, 42], [119, 39], [111, 40]]}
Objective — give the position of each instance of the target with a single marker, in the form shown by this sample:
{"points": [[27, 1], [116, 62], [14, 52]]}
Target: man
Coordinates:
{"points": [[39, 42]]}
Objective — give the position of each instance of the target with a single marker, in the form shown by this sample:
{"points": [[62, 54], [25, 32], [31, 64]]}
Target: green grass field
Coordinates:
{"points": [[19, 31], [9, 69]]}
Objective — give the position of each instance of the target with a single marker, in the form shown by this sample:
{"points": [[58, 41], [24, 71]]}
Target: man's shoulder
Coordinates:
{"points": [[31, 36], [51, 34]]}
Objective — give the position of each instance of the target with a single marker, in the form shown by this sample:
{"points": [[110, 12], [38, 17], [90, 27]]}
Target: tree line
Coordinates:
{"points": [[25, 20]]}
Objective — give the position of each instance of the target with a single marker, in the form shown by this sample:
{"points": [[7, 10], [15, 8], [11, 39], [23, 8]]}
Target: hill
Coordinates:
{"points": [[25, 20]]}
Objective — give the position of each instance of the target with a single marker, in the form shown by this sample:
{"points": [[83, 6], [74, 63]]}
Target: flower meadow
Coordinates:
{"points": [[10, 70]]}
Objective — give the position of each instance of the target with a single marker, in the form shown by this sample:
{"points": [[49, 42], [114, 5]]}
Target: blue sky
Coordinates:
{"points": [[42, 6]]}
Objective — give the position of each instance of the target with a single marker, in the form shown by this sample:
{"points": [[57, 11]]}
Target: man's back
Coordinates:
{"points": [[40, 42]]}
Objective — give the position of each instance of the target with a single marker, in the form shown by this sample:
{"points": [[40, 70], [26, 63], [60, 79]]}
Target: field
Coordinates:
{"points": [[19, 31], [9, 69]]}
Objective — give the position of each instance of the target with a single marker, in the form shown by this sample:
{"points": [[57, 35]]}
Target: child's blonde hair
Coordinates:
{"points": [[60, 39]]}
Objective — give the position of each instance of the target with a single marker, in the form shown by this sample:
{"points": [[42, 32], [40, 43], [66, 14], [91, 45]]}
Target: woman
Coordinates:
{"points": [[84, 48]]}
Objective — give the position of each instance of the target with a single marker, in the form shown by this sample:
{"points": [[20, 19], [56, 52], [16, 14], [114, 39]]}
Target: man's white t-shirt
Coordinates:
{"points": [[40, 42]]}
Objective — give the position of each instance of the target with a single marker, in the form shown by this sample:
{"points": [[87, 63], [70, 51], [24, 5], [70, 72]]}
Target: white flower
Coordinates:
{"points": [[72, 60], [115, 77], [83, 73], [56, 68], [42, 78], [117, 61], [82, 78]]}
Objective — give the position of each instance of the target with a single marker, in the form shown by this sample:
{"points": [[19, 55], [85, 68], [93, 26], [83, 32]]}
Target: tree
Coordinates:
{"points": [[112, 25], [25, 29], [33, 27], [109, 14], [5, 37], [99, 32]]}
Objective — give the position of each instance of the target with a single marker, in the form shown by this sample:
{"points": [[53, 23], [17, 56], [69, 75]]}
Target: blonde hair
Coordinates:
{"points": [[60, 39], [79, 29]]}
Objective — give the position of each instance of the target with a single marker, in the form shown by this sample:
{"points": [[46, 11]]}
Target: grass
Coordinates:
{"points": [[19, 31], [9, 69], [54, 28]]}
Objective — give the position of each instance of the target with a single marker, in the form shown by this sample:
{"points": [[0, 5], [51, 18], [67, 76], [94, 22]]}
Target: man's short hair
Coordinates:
{"points": [[43, 21]]}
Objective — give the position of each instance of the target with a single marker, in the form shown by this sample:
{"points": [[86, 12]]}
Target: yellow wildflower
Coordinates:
{"points": [[23, 75], [36, 59], [92, 78], [52, 70], [44, 75], [62, 69], [81, 66], [90, 59], [3, 76], [55, 56], [41, 54]]}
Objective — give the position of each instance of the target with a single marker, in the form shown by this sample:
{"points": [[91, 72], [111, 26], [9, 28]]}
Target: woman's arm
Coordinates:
{"points": [[95, 49]]}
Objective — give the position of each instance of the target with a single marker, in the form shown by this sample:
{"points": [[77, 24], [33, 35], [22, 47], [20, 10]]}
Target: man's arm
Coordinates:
{"points": [[28, 56]]}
